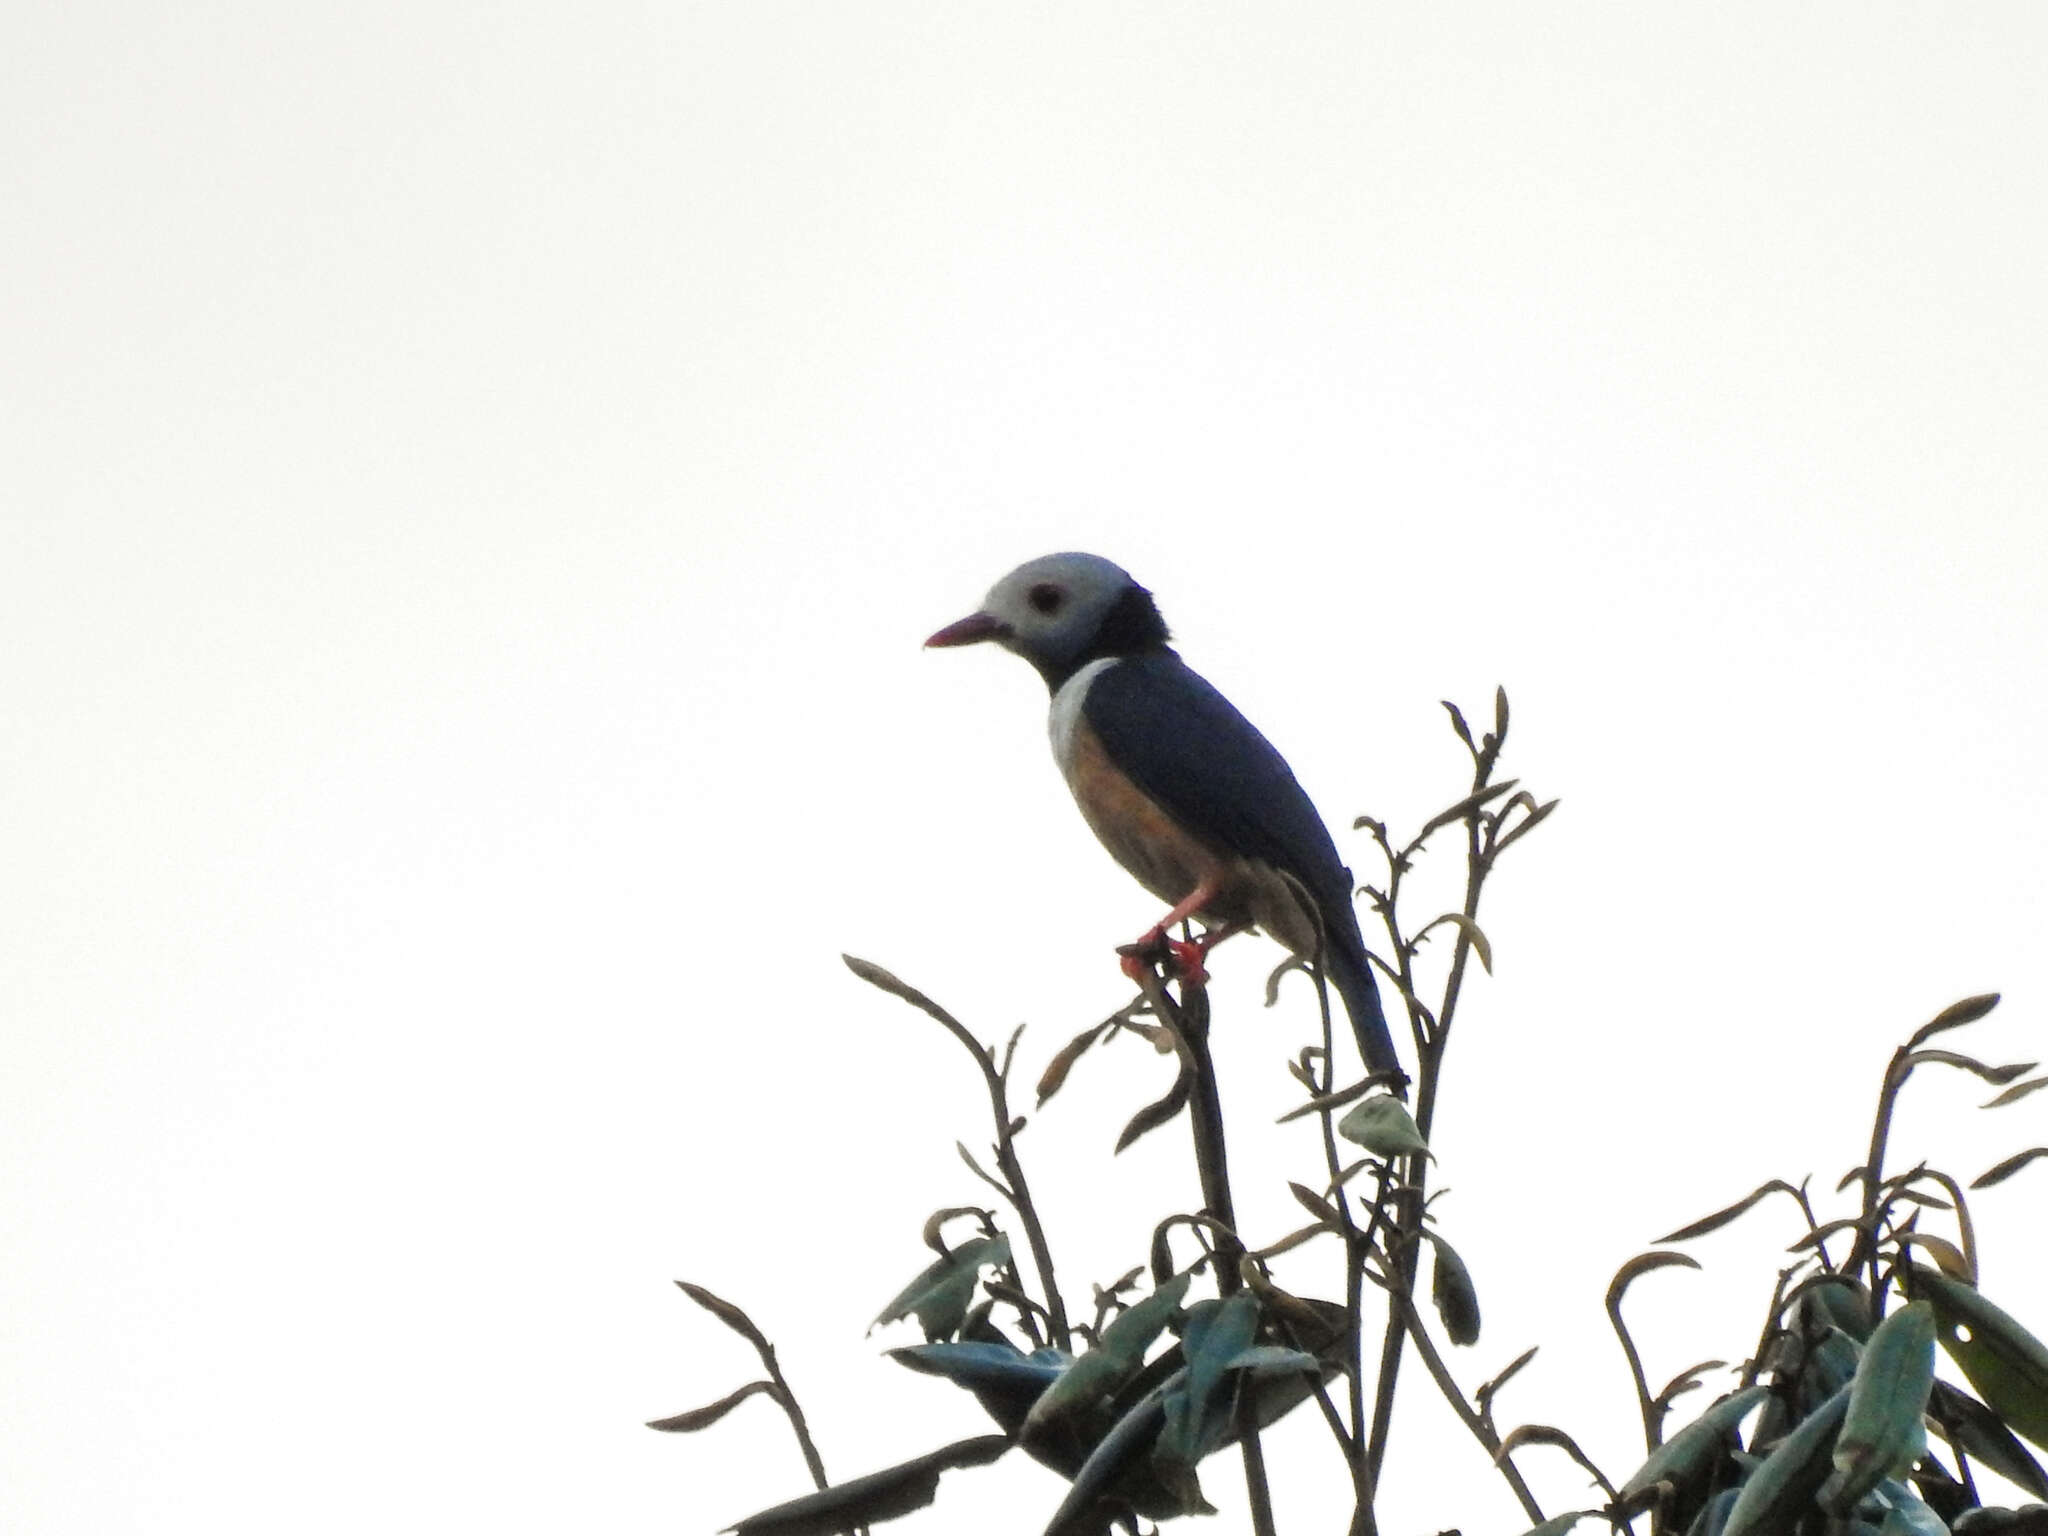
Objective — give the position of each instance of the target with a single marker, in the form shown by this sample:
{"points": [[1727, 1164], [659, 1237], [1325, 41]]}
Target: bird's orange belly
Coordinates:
{"points": [[1166, 858]]}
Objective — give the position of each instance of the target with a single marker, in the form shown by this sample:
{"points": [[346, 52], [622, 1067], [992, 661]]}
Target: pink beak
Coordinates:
{"points": [[968, 631]]}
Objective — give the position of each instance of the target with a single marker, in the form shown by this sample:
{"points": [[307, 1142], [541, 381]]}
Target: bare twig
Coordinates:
{"points": [[996, 1080]]}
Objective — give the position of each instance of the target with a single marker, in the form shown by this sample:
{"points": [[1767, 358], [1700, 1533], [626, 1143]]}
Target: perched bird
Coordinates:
{"points": [[1180, 787]]}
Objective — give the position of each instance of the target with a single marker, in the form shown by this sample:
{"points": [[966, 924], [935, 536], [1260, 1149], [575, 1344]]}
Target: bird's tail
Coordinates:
{"points": [[1350, 972]]}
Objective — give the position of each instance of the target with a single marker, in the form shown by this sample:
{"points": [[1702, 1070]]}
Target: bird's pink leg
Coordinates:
{"points": [[1187, 957]]}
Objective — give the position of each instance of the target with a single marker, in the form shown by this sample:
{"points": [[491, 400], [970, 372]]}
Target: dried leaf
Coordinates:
{"points": [[1333, 1100], [725, 1312], [1159, 1112], [1487, 1390], [2016, 1092], [1685, 1381], [1820, 1234], [1472, 932], [1996, 1076], [1056, 1070], [980, 1173], [1968, 1011], [1728, 1213], [872, 1499], [1316, 1205], [933, 1237], [1458, 724], [1998, 1173], [1464, 808], [1642, 1264], [1546, 1434], [702, 1418], [1529, 824], [1292, 1240]]}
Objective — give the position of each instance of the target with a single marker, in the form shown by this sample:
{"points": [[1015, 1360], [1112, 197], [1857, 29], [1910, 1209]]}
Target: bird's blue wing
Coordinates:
{"points": [[1187, 748], [1190, 751]]}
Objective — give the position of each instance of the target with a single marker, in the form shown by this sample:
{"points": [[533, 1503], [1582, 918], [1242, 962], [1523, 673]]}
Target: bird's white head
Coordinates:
{"points": [[1061, 611]]}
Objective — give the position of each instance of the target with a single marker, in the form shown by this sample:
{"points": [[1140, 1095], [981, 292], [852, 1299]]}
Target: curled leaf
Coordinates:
{"points": [[934, 1224], [940, 1294], [1550, 1435], [1472, 931], [1642, 1264]]}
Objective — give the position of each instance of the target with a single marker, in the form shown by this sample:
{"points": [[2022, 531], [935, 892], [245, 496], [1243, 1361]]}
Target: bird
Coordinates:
{"points": [[1181, 788]]}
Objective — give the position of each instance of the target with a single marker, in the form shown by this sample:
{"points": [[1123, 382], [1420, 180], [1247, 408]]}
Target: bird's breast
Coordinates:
{"points": [[1166, 858]]}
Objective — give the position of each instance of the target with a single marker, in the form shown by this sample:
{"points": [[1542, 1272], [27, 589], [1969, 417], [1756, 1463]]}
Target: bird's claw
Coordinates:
{"points": [[1182, 958]]}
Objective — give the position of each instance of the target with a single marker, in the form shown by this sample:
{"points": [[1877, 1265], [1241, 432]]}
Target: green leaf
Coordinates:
{"points": [[1451, 1289], [1883, 1432], [1969, 1424], [1906, 1514], [1198, 1418], [1382, 1125], [872, 1499], [1090, 1380], [2006, 1364], [1841, 1301], [1779, 1491], [1689, 1452], [940, 1295], [1003, 1379]]}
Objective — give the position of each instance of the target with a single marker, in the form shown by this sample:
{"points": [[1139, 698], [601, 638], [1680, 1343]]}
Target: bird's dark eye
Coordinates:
{"points": [[1045, 597]]}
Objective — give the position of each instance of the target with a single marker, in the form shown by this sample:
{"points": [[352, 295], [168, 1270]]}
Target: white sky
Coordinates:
{"points": [[475, 478]]}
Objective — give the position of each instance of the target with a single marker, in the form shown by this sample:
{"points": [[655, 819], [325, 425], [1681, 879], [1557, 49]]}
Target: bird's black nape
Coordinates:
{"points": [[1130, 628]]}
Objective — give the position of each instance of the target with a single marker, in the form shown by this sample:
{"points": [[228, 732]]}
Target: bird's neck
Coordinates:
{"points": [[1131, 628]]}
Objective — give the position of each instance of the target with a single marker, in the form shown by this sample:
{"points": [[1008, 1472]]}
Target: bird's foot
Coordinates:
{"points": [[1182, 958]]}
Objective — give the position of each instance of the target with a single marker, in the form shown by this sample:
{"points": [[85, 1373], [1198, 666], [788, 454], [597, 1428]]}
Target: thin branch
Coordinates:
{"points": [[1012, 1168]]}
